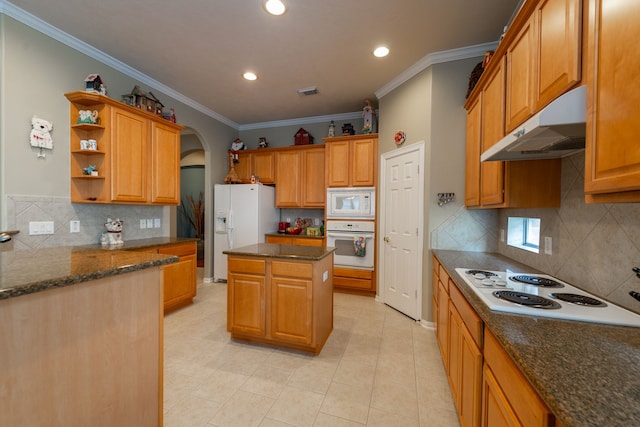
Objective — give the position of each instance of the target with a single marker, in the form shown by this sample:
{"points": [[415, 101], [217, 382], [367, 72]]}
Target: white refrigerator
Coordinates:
{"points": [[244, 213]]}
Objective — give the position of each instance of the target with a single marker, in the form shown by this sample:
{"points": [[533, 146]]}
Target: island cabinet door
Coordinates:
{"points": [[246, 304], [291, 310]]}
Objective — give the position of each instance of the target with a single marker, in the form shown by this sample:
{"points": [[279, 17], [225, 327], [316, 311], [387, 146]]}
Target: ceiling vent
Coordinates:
{"points": [[306, 91]]}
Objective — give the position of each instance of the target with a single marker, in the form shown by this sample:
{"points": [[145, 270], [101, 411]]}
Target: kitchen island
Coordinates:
{"points": [[81, 338], [281, 295], [588, 374]]}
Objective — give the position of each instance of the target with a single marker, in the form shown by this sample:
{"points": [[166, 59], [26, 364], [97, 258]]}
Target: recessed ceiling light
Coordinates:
{"points": [[275, 7], [381, 52], [250, 76]]}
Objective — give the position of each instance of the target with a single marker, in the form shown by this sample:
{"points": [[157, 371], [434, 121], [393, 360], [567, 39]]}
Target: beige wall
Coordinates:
{"points": [[36, 71], [430, 107]]}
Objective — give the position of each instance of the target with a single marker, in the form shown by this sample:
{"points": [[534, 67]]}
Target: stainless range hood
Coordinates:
{"points": [[556, 131]]}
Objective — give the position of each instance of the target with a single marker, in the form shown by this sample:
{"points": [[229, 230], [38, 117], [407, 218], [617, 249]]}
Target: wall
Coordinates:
{"points": [[36, 71], [594, 245], [429, 107], [283, 136]]}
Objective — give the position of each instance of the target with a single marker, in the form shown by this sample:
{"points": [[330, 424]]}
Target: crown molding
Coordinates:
{"points": [[301, 121], [77, 44], [432, 59]]}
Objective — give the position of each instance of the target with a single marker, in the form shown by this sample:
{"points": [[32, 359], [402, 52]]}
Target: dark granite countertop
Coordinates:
{"points": [[587, 373], [28, 271], [271, 250]]}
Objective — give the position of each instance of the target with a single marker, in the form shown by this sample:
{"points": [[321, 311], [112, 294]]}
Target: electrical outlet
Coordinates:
{"points": [[156, 223], [149, 222], [548, 244], [502, 234], [41, 227], [74, 227], [143, 224]]}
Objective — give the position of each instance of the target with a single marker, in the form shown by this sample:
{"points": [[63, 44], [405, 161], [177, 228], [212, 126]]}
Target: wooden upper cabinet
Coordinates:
{"points": [[165, 160], [472, 160], [263, 166], [612, 155], [288, 177], [492, 130], [543, 59], [129, 154], [351, 161], [243, 166], [313, 188], [137, 155], [520, 76], [559, 57]]}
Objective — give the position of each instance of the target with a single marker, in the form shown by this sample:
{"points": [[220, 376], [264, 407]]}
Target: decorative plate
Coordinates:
{"points": [[399, 137]]}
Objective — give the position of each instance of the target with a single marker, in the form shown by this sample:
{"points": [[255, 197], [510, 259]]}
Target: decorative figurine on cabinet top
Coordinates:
{"points": [[347, 129], [236, 146], [262, 142], [332, 129], [368, 113], [93, 83]]}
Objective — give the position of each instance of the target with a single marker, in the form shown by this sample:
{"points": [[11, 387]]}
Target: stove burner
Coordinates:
{"points": [[526, 300], [485, 273], [578, 299], [537, 281]]}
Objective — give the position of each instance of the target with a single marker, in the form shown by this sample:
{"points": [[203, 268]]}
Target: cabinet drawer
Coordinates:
{"points": [[178, 250], [302, 241], [444, 278], [348, 282], [526, 404], [353, 273], [249, 266], [292, 269], [471, 320]]}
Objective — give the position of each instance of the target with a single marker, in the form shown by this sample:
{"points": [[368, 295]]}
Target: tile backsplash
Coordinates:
{"points": [[23, 209], [594, 245]]}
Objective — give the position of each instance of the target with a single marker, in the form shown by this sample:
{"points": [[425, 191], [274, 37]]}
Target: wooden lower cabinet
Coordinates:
{"points": [[180, 278], [286, 303], [354, 281], [294, 240], [487, 387], [508, 398]]}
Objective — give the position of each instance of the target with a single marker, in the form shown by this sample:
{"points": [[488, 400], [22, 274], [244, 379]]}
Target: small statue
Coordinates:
{"points": [[89, 170], [332, 129], [113, 235], [367, 113], [262, 142]]}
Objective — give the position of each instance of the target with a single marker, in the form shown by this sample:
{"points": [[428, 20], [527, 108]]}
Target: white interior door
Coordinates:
{"points": [[402, 222]]}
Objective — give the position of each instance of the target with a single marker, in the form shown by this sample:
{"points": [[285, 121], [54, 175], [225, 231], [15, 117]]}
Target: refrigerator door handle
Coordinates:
{"points": [[230, 229]]}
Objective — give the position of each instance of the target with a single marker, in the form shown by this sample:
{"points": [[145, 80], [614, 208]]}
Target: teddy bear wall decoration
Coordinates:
{"points": [[113, 235], [40, 136]]}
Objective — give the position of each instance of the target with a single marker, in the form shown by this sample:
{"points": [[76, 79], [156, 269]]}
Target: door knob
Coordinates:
{"points": [[386, 239]]}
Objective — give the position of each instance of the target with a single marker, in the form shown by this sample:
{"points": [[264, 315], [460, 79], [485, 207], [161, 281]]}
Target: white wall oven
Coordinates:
{"points": [[351, 203], [354, 242]]}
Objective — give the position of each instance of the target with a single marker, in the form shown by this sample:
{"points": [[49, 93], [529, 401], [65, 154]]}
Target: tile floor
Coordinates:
{"points": [[378, 368]]}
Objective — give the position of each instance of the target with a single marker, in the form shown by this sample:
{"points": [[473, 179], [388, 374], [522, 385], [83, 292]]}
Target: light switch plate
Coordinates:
{"points": [[74, 227], [150, 223], [548, 244], [143, 224], [156, 223]]}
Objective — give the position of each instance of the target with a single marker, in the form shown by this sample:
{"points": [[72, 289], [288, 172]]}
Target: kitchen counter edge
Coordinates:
{"points": [[35, 270], [273, 250], [587, 373]]}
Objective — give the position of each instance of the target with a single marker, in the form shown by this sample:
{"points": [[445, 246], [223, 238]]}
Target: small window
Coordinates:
{"points": [[524, 233]]}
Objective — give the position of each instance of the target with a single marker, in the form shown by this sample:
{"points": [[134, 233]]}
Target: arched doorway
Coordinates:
{"points": [[190, 220]]}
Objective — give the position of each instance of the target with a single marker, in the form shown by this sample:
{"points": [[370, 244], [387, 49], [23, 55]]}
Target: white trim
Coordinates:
{"points": [[420, 148], [435, 58], [303, 120]]}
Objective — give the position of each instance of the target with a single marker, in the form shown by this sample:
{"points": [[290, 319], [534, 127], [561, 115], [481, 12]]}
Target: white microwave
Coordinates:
{"points": [[351, 203]]}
